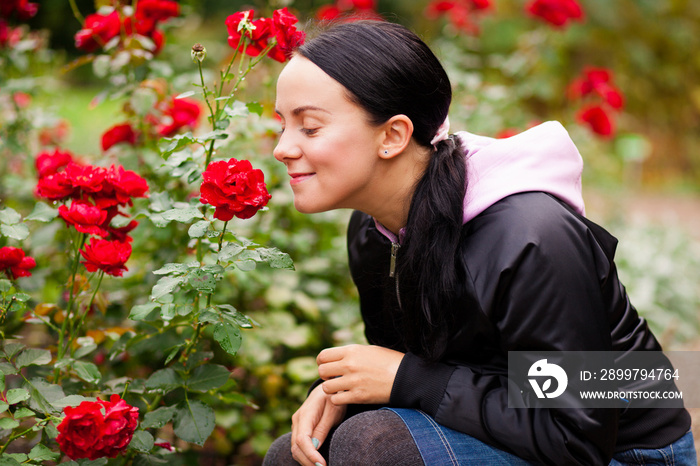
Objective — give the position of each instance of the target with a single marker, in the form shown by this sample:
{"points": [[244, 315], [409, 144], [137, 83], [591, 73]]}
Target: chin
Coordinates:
{"points": [[310, 207]]}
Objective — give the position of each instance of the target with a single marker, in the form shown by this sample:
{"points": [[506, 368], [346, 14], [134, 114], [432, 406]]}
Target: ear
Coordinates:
{"points": [[395, 137]]}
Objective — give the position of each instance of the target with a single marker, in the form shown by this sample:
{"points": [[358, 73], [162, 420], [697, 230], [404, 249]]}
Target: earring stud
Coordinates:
{"points": [[386, 152]]}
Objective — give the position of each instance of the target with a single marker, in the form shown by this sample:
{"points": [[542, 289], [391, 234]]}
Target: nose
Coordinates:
{"points": [[286, 148]]}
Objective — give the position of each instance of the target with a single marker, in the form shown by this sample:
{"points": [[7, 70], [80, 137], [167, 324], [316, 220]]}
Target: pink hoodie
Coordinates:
{"points": [[543, 158]]}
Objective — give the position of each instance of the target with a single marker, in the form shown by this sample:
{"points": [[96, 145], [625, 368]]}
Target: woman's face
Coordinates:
{"points": [[330, 149]]}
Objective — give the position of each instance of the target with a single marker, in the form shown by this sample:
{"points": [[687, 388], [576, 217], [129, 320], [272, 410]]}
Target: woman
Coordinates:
{"points": [[463, 248]]}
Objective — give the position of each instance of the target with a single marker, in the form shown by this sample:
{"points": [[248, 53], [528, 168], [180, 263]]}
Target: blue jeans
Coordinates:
{"points": [[439, 445]]}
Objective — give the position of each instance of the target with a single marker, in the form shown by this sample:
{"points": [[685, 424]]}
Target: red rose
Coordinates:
{"points": [[257, 31], [23, 8], [95, 429], [55, 187], [157, 10], [556, 12], [48, 163], [234, 188], [118, 133], [15, 263], [4, 33], [120, 186], [98, 30], [108, 256], [597, 119], [84, 217], [287, 35], [328, 12], [178, 114], [86, 179]]}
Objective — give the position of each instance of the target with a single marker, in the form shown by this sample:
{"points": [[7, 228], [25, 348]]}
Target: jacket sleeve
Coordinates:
{"points": [[537, 272]]}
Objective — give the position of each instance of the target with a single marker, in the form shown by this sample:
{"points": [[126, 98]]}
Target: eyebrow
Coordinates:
{"points": [[304, 108]]}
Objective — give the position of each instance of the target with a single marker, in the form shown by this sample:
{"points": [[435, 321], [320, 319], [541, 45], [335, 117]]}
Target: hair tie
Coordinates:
{"points": [[443, 132]]}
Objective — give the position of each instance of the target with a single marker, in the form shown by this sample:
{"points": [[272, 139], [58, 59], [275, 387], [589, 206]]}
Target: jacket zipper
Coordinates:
{"points": [[392, 269]]}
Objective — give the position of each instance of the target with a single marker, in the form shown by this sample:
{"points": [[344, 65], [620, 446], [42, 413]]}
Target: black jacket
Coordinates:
{"points": [[537, 277]]}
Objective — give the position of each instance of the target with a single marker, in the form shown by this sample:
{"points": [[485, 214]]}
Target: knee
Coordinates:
{"points": [[280, 452]]}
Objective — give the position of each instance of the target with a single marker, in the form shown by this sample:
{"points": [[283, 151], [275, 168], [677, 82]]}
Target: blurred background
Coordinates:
{"points": [[623, 77]]}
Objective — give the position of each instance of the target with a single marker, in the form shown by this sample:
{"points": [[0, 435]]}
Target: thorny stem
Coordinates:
{"points": [[69, 309], [76, 11]]}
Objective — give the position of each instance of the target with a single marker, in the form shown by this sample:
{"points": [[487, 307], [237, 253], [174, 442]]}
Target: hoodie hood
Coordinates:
{"points": [[543, 158]]}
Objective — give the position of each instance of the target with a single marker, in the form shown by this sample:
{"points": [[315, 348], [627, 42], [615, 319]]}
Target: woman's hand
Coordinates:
{"points": [[314, 419], [358, 374]]}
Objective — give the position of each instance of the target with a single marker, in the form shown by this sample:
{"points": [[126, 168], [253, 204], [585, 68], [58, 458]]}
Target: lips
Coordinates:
{"points": [[300, 177]]}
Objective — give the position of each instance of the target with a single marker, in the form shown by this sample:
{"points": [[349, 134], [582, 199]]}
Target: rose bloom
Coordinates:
{"points": [[598, 81], [86, 178], [55, 187], [14, 261], [96, 429], [157, 10], [48, 163], [234, 188], [108, 256], [597, 119], [259, 32], [120, 186], [98, 30], [556, 12], [287, 35], [118, 133], [23, 8], [84, 217], [178, 114]]}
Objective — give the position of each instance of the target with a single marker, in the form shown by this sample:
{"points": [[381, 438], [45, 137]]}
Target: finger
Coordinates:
{"points": [[306, 452], [329, 370], [331, 354], [336, 385]]}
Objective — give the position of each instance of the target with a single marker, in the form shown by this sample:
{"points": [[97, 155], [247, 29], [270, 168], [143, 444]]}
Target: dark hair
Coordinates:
{"points": [[388, 70]]}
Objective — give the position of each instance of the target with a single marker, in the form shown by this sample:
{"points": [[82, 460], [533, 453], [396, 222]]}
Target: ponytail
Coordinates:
{"points": [[428, 264]]}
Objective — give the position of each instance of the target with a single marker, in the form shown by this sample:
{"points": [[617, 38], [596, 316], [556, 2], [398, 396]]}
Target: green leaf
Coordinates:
{"points": [[3, 407], [276, 258], [144, 312], [9, 216], [34, 356], [70, 400], [17, 395], [199, 229], [208, 377], [230, 251], [8, 423], [23, 412], [255, 107], [164, 380], [21, 297], [228, 336], [13, 348], [178, 142], [8, 369], [141, 441], [158, 418], [194, 421], [42, 213], [18, 232], [165, 286], [203, 281], [43, 453], [214, 135], [222, 124], [160, 202], [87, 371], [183, 215], [246, 265], [43, 394], [12, 459], [5, 285], [148, 460], [171, 268]]}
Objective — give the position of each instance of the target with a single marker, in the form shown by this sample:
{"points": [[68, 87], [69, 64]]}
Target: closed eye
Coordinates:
{"points": [[309, 131]]}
